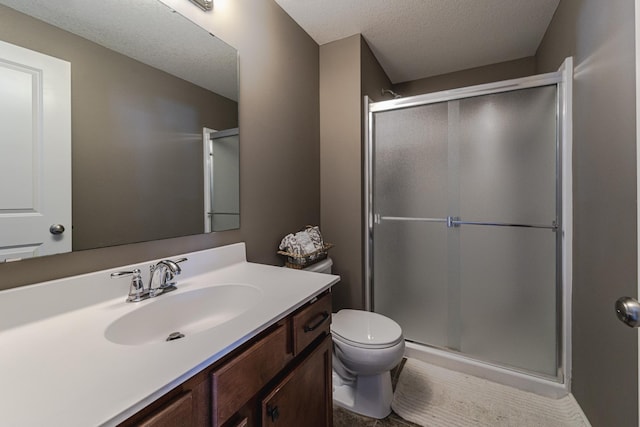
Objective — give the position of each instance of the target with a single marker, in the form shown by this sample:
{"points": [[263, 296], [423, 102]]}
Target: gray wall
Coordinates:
{"points": [[279, 148], [348, 72], [373, 78], [600, 37], [132, 126], [474, 76], [341, 165]]}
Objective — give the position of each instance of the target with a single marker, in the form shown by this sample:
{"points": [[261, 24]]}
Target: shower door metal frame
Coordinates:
{"points": [[564, 204]]}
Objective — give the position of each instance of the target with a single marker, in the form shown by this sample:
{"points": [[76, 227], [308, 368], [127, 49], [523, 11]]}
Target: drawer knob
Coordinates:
{"points": [[273, 412], [321, 318]]}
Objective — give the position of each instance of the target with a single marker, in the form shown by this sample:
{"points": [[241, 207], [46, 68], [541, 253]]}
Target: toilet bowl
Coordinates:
{"points": [[366, 346]]}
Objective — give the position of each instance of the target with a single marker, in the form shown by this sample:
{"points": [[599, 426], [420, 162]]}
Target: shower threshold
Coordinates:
{"points": [[456, 362]]}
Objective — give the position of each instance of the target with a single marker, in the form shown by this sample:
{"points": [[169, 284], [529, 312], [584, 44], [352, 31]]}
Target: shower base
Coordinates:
{"points": [[497, 374]]}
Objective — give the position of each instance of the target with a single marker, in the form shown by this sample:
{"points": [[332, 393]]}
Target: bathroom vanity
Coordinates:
{"points": [[75, 353], [282, 377]]}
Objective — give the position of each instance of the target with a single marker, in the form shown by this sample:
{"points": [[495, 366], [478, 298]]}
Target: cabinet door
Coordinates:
{"points": [[303, 398]]}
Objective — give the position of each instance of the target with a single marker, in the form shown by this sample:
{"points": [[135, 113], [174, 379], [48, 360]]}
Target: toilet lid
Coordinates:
{"points": [[365, 328]]}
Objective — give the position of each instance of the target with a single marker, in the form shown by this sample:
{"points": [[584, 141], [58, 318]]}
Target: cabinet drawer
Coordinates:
{"points": [[311, 322], [178, 412], [236, 382]]}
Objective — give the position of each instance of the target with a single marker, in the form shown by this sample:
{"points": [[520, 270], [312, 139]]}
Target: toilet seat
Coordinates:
{"points": [[365, 329]]}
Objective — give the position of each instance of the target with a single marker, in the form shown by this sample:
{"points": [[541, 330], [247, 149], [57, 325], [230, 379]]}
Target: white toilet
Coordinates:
{"points": [[366, 346]]}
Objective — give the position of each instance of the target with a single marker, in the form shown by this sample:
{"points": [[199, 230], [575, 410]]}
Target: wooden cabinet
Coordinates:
{"points": [[303, 397], [238, 380], [282, 378], [178, 412], [310, 322]]}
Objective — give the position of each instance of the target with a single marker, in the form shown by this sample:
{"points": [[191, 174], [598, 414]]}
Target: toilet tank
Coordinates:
{"points": [[323, 266]]}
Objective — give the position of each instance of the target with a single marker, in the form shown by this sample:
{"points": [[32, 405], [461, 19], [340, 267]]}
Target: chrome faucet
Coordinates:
{"points": [[161, 280], [162, 276]]}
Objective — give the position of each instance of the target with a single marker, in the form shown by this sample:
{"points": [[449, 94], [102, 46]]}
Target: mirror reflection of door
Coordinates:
{"points": [[221, 179], [35, 154]]}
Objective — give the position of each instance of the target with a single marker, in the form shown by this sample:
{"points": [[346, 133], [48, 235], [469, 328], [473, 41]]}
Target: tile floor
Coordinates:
{"points": [[344, 418]]}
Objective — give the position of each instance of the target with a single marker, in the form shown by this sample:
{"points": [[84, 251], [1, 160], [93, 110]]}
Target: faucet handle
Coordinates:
{"points": [[136, 289], [175, 269]]}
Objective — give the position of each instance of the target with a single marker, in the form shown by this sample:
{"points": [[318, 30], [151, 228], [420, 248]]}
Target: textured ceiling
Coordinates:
{"points": [[147, 31], [413, 39]]}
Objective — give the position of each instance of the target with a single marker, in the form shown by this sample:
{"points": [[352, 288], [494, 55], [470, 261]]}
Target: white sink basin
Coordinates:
{"points": [[187, 313]]}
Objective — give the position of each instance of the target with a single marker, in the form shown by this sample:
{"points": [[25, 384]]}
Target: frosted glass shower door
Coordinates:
{"points": [[464, 244], [409, 256], [507, 175]]}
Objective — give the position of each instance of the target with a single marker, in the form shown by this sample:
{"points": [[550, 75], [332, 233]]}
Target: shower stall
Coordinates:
{"points": [[468, 212]]}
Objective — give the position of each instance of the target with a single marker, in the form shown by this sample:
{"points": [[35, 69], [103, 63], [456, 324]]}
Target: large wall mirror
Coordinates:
{"points": [[153, 125]]}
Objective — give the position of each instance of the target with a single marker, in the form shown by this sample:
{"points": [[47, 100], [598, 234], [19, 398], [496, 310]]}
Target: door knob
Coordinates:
{"points": [[56, 229], [628, 311]]}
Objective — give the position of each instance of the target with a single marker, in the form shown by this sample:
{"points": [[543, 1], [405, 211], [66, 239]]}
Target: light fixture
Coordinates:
{"points": [[203, 4]]}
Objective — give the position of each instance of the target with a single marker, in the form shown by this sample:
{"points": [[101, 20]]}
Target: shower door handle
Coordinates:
{"points": [[628, 311]]}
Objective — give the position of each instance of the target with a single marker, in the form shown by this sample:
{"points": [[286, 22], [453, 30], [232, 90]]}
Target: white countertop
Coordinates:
{"points": [[58, 369]]}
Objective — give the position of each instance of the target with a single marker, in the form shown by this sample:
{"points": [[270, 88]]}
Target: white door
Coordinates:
{"points": [[225, 152], [221, 179], [35, 154]]}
